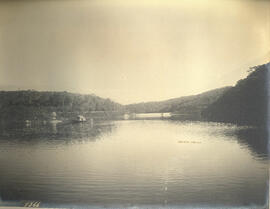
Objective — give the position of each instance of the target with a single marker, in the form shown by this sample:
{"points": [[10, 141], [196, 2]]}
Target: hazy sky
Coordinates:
{"points": [[131, 51]]}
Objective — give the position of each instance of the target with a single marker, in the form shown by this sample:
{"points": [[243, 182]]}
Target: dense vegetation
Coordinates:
{"points": [[21, 105], [188, 107], [246, 102], [32, 105]]}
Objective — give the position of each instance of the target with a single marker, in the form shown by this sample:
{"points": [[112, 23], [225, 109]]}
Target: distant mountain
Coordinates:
{"points": [[246, 102], [31, 105], [188, 107]]}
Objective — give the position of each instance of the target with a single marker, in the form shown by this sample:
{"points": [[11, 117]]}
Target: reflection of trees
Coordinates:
{"points": [[83, 130], [255, 138], [39, 134], [53, 131]]}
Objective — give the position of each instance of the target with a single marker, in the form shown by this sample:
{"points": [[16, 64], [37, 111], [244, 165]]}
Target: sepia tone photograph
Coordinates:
{"points": [[134, 104]]}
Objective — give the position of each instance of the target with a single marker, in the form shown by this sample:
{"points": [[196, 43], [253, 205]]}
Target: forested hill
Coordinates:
{"points": [[39, 105], [246, 102], [186, 105]]}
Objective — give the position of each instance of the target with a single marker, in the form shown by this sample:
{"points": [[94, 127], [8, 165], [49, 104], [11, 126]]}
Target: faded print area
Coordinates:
{"points": [[138, 104]]}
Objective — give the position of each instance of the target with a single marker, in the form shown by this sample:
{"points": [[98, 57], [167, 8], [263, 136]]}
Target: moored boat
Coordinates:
{"points": [[80, 118]]}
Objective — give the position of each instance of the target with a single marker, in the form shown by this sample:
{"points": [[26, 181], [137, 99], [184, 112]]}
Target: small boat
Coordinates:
{"points": [[80, 118]]}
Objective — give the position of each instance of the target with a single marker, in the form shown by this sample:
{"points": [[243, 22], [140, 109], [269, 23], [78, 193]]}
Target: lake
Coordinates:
{"points": [[133, 163]]}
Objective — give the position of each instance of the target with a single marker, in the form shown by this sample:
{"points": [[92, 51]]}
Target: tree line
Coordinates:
{"points": [[246, 103], [34, 104]]}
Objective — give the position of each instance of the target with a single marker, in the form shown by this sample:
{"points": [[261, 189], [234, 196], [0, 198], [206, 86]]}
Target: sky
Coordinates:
{"points": [[131, 50]]}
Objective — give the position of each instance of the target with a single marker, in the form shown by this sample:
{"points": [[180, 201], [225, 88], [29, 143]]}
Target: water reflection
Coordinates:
{"points": [[134, 163], [252, 138], [256, 140], [39, 131]]}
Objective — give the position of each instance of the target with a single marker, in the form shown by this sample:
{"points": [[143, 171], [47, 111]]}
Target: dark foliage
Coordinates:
{"points": [[21, 105], [245, 103], [188, 107]]}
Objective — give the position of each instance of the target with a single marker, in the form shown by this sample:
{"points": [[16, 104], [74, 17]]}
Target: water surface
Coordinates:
{"points": [[134, 163]]}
